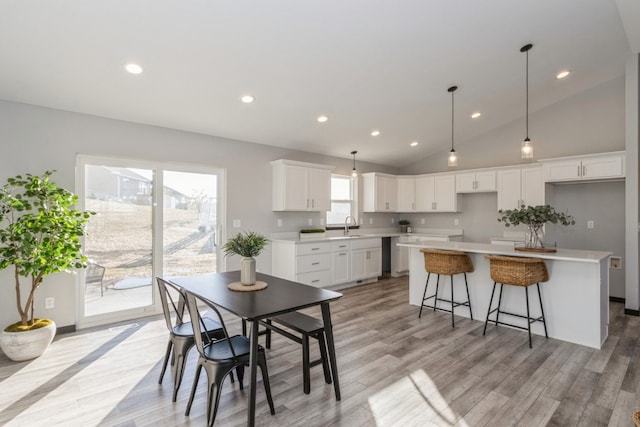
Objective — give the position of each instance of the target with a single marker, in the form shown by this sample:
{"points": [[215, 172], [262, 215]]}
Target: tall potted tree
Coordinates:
{"points": [[40, 234]]}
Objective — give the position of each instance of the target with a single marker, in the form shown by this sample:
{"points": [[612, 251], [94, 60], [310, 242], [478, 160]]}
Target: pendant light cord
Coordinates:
{"points": [[452, 118], [527, 95]]}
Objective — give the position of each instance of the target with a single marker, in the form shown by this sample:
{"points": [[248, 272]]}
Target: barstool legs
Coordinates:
{"points": [[436, 298], [528, 317]]}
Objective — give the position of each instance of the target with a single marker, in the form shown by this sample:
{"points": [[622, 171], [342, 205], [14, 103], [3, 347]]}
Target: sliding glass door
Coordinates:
{"points": [[151, 220]]}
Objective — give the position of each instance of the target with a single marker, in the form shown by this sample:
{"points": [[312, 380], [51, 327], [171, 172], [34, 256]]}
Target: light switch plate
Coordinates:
{"points": [[237, 223]]}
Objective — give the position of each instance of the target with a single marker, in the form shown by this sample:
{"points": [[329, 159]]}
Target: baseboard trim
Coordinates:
{"points": [[617, 299], [65, 329], [632, 312]]}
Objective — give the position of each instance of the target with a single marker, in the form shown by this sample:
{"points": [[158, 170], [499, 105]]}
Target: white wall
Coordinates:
{"points": [[37, 139]]}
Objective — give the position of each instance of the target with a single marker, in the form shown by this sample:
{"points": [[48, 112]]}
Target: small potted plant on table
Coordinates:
{"points": [[404, 225], [534, 217], [248, 245]]}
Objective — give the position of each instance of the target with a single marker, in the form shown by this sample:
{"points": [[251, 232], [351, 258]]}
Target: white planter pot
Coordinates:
{"points": [[248, 271], [27, 345]]}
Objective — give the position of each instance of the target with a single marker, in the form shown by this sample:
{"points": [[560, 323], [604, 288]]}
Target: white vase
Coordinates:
{"points": [[27, 345], [248, 271]]}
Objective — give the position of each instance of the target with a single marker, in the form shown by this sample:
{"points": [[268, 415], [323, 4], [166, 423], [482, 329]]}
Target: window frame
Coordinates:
{"points": [[353, 201]]}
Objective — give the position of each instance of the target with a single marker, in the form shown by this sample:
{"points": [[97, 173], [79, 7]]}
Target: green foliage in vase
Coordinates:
{"points": [[535, 216], [40, 234], [245, 244], [404, 222]]}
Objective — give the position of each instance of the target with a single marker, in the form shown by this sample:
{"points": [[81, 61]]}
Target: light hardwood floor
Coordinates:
{"points": [[395, 370]]}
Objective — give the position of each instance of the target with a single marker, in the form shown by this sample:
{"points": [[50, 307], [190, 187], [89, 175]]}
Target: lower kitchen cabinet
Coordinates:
{"points": [[366, 259], [340, 262]]}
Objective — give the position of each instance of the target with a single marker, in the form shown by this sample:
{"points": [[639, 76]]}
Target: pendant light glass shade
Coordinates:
{"points": [[526, 148], [452, 160], [354, 172]]}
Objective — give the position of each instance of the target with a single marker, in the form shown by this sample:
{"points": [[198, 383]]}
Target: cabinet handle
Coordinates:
{"points": [[315, 281], [342, 254], [313, 203], [584, 170], [307, 203], [315, 249], [579, 170], [315, 263], [342, 246], [413, 206]]}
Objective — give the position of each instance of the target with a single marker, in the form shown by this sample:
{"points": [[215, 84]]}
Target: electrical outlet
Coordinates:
{"points": [[321, 221], [370, 221], [237, 223], [393, 220], [310, 221], [422, 221], [456, 221], [49, 302], [615, 262], [590, 224], [279, 222]]}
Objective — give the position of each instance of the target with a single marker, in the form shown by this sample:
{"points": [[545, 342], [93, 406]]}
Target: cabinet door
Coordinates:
{"points": [[294, 186], [340, 267], [406, 194], [386, 194], [603, 167], [485, 181], [509, 189], [465, 182], [532, 186], [358, 264], [319, 189], [425, 194], [373, 263], [562, 171], [446, 199]]}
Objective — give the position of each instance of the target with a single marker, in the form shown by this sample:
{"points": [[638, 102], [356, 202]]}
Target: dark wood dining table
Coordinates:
{"points": [[280, 296]]}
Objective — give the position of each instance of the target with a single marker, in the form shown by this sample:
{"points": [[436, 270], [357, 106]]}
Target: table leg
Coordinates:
{"points": [[328, 331], [253, 365]]}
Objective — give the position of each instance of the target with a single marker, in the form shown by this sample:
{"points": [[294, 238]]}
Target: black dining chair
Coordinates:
{"points": [[180, 331], [220, 357]]}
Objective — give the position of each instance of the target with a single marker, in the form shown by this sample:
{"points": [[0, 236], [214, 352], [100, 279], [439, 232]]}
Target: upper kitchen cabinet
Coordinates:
{"points": [[436, 193], [476, 181], [299, 186], [582, 168], [520, 186], [406, 193], [379, 192]]}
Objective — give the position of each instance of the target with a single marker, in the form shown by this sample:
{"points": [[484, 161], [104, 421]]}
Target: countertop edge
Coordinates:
{"points": [[575, 255]]}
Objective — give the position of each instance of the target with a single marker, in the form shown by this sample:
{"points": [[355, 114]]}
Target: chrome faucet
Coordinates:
{"points": [[347, 223]]}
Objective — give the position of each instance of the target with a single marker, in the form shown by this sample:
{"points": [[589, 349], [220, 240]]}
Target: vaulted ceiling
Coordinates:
{"points": [[365, 64]]}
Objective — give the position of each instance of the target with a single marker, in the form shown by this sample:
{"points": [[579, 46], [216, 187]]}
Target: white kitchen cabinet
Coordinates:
{"points": [[309, 263], [299, 186], [436, 193], [520, 186], [379, 192], [366, 258], [406, 188], [583, 168], [340, 261], [475, 182]]}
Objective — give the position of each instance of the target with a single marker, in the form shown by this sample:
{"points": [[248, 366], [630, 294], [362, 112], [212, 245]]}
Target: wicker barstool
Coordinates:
{"points": [[439, 262], [516, 271], [636, 418]]}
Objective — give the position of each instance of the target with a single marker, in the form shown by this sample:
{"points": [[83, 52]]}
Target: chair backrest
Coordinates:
{"points": [[168, 302], [95, 272], [200, 333]]}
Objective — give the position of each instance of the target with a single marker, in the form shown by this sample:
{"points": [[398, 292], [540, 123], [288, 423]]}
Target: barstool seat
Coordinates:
{"points": [[516, 271], [438, 261]]}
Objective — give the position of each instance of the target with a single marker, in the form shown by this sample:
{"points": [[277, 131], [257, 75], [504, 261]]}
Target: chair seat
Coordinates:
{"points": [[517, 271], [300, 322], [186, 329], [447, 262], [220, 350]]}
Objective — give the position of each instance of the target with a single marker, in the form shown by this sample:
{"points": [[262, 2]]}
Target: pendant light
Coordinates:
{"points": [[526, 148], [354, 173], [453, 157]]}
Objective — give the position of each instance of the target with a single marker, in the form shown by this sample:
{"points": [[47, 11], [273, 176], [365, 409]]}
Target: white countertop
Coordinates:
{"points": [[486, 248], [364, 233]]}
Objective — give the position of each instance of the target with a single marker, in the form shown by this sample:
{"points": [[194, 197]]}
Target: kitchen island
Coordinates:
{"points": [[576, 297]]}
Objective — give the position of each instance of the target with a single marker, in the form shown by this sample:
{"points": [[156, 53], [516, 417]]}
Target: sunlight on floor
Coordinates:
{"points": [[413, 401], [79, 381]]}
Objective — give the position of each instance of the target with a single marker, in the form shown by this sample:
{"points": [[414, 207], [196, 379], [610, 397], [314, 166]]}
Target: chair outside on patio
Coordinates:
{"points": [[95, 274]]}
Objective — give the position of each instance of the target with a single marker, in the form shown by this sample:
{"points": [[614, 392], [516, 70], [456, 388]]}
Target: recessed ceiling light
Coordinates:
{"points": [[476, 115], [322, 119], [375, 132], [563, 74], [133, 68], [414, 143], [247, 99]]}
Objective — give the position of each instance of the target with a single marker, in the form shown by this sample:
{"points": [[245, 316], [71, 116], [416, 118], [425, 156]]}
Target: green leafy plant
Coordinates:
{"points": [[40, 234], [248, 244], [404, 222], [535, 217]]}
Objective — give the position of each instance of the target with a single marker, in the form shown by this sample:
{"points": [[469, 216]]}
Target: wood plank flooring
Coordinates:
{"points": [[395, 370]]}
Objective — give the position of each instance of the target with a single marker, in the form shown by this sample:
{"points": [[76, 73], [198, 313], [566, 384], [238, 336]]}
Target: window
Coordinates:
{"points": [[343, 199]]}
